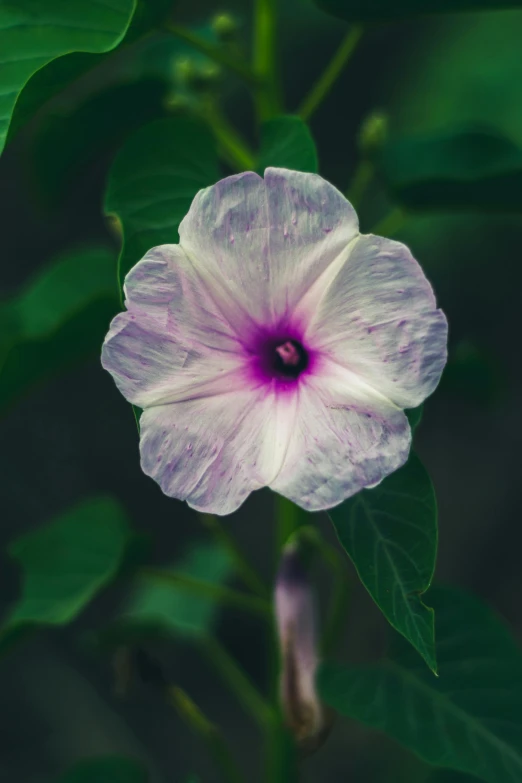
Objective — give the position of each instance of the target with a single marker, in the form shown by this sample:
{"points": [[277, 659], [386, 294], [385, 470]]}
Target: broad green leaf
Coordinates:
{"points": [[286, 142], [159, 608], [390, 534], [414, 416], [470, 717], [65, 563], [363, 10], [108, 769], [59, 319], [465, 169], [153, 180], [71, 141], [32, 33]]}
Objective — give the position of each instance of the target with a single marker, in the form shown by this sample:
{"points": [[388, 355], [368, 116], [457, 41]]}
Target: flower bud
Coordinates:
{"points": [[296, 624], [373, 133], [225, 27]]}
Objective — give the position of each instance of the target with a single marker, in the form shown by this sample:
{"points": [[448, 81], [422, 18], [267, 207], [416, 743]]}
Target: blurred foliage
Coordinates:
{"points": [[153, 180], [390, 534], [286, 142], [358, 10], [58, 320], [71, 141], [414, 416], [470, 717], [163, 607], [474, 374], [108, 769], [479, 170], [31, 35], [66, 562]]}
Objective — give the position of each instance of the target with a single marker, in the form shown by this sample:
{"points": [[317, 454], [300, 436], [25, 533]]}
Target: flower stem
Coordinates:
{"points": [[215, 53], [245, 570], [233, 149], [238, 682], [287, 521], [324, 84], [218, 593], [268, 95], [210, 734], [391, 223]]}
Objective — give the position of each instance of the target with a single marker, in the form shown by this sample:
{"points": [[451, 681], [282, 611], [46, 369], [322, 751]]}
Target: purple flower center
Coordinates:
{"points": [[289, 359]]}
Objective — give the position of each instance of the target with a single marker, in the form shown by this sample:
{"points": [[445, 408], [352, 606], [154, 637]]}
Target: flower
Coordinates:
{"points": [[295, 611], [275, 346]]}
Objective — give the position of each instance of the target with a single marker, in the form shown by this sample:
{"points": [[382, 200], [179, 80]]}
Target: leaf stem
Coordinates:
{"points": [[191, 714], [268, 95], [238, 682], [362, 177], [233, 148], [219, 593], [215, 53], [245, 570], [324, 84]]}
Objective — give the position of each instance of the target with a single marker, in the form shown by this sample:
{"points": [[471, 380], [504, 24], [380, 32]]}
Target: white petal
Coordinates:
{"points": [[377, 316], [173, 343], [261, 244], [213, 452], [346, 437]]}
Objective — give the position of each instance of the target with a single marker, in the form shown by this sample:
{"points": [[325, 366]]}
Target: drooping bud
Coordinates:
{"points": [[306, 717], [373, 133]]}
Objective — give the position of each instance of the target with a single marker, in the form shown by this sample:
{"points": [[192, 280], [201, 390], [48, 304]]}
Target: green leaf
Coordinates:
{"points": [[470, 717], [153, 180], [67, 562], [390, 534], [159, 608], [363, 10], [286, 142], [59, 319], [109, 769], [32, 33], [480, 170]]}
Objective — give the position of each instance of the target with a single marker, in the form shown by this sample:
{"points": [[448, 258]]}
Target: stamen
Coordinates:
{"points": [[289, 353]]}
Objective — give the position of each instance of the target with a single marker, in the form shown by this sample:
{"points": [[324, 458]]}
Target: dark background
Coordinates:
{"points": [[74, 435]]}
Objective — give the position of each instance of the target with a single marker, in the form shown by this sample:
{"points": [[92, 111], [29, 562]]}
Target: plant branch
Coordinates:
{"points": [[324, 84], [268, 96], [190, 713], [233, 149], [215, 53], [238, 682], [219, 593], [245, 570]]}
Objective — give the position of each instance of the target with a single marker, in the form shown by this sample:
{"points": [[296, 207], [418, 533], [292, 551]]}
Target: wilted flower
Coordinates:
{"points": [[275, 345], [295, 608]]}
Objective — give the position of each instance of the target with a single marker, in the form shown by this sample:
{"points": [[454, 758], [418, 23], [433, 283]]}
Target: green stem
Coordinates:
{"points": [[324, 84], [215, 53], [190, 713], [218, 593], [287, 521], [361, 179], [234, 150], [238, 682], [268, 96], [391, 223], [245, 570]]}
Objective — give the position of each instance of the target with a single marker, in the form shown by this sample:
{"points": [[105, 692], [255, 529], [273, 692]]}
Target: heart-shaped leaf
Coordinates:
{"points": [[470, 717], [66, 562], [153, 180], [32, 33], [390, 534]]}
